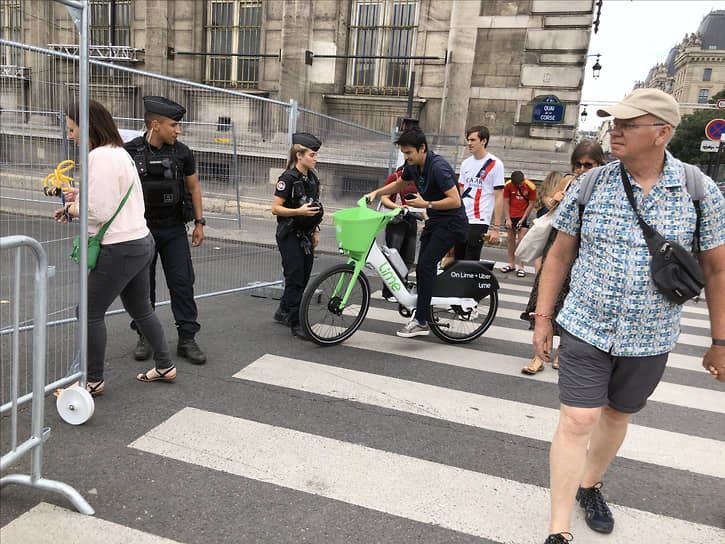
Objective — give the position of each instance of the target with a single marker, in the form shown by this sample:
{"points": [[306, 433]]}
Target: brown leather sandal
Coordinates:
{"points": [[536, 365]]}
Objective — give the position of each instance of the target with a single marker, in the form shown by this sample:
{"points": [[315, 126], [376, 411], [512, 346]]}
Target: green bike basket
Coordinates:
{"points": [[355, 228]]}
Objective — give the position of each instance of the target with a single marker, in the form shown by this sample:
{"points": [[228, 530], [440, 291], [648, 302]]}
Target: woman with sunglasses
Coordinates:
{"points": [[586, 155]]}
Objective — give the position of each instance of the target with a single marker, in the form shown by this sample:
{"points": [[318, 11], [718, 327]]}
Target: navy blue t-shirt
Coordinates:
{"points": [[436, 178]]}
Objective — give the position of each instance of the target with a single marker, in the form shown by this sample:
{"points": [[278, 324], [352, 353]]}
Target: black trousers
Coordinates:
{"points": [[438, 237], [172, 245], [470, 249], [297, 267], [403, 237]]}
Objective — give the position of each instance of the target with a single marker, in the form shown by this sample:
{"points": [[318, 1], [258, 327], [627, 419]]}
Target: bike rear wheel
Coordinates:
{"points": [[454, 326], [320, 314]]}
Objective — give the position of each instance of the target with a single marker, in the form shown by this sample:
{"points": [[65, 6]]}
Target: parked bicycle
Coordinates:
{"points": [[335, 303]]}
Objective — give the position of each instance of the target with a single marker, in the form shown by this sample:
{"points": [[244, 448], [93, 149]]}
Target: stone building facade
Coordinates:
{"points": [[451, 63], [695, 68]]}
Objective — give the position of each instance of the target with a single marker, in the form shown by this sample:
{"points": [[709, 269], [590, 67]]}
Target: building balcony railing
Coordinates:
{"points": [[13, 71], [111, 53]]}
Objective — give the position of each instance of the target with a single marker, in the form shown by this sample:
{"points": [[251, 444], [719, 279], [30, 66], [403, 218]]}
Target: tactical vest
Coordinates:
{"points": [[304, 192], [162, 181]]}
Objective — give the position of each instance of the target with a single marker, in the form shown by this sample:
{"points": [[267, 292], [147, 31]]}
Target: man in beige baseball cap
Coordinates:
{"points": [[643, 101], [616, 327]]}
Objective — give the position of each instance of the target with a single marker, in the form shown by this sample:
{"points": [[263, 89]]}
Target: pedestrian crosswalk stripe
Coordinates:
{"points": [[522, 287], [666, 392], [49, 524], [458, 499], [648, 445], [524, 336], [697, 340], [699, 308]]}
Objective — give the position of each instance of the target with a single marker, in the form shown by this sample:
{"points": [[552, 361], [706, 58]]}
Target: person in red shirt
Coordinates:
{"points": [[519, 195]]}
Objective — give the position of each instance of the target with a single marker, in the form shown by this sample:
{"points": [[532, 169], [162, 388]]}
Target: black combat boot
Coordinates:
{"points": [[280, 316], [143, 351], [298, 331], [189, 350]]}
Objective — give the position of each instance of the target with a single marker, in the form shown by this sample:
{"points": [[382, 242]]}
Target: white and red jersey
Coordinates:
{"points": [[476, 181]]}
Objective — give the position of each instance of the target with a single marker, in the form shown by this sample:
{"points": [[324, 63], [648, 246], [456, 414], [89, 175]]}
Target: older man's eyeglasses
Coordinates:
{"points": [[629, 126]]}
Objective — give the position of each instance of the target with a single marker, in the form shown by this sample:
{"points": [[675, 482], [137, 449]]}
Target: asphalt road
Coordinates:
{"points": [[379, 439]]}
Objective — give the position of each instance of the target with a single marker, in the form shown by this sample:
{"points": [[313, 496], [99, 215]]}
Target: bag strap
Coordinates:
{"points": [[586, 188], [651, 236], [519, 190], [485, 164], [104, 228], [696, 189]]}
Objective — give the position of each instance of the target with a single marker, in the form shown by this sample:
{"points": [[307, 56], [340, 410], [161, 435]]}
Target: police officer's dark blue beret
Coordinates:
{"points": [[163, 106], [306, 139]]}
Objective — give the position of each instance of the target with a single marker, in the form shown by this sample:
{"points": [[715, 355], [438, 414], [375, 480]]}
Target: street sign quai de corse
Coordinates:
{"points": [[549, 110]]}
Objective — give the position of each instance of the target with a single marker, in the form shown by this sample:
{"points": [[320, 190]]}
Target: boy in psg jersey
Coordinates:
{"points": [[481, 182]]}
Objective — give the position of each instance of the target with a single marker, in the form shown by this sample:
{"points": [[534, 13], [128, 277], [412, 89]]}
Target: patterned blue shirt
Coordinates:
{"points": [[612, 303]]}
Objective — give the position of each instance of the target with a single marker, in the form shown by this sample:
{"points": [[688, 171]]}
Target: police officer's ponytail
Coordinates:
{"points": [[296, 148]]}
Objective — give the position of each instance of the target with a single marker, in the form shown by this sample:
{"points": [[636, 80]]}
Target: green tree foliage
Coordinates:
{"points": [[685, 144]]}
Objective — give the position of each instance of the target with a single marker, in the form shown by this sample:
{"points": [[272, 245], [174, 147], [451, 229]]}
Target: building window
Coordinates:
{"points": [[233, 27], [11, 22], [110, 32], [702, 98], [707, 74], [382, 34]]}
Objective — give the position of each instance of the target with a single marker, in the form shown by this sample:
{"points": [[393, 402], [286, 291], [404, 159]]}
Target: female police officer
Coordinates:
{"points": [[299, 213]]}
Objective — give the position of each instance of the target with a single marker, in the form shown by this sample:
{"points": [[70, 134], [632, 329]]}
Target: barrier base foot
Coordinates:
{"points": [[51, 485]]}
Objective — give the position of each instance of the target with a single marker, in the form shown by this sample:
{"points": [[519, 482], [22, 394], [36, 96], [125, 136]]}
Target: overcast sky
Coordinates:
{"points": [[633, 36]]}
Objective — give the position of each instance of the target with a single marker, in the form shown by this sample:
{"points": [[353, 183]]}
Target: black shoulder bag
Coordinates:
{"points": [[675, 270]]}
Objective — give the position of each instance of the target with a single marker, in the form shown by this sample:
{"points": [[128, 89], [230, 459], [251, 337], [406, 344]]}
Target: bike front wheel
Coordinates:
{"points": [[321, 314], [451, 324]]}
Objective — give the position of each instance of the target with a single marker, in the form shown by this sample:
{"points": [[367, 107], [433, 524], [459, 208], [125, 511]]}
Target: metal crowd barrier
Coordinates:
{"points": [[34, 444]]}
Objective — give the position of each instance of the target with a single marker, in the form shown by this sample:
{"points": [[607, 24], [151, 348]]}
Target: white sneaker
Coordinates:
{"points": [[474, 315], [413, 329]]}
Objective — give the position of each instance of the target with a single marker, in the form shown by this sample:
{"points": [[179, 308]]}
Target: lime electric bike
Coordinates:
{"points": [[335, 303]]}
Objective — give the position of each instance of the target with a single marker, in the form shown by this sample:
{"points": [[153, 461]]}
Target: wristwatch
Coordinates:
{"points": [[430, 205], [201, 221]]}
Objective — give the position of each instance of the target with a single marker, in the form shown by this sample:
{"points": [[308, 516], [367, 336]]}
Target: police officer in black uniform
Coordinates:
{"points": [[172, 197], [299, 213]]}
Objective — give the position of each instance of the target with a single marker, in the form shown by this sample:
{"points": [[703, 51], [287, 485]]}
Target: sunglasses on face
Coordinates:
{"points": [[586, 165]]}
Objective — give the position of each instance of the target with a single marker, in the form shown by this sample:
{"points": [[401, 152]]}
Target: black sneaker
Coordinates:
{"points": [[189, 350], [559, 538], [142, 351], [597, 514]]}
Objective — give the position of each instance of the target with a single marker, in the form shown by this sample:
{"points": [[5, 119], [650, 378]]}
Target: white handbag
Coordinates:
{"points": [[532, 245]]}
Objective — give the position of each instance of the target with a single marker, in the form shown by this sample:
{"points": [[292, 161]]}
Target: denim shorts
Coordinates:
{"points": [[590, 377]]}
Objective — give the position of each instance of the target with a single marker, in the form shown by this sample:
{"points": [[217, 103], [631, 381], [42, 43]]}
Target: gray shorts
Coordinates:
{"points": [[590, 377]]}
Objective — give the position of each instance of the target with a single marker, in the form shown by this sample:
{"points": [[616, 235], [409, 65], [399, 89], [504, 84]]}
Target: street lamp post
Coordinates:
{"points": [[597, 68]]}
